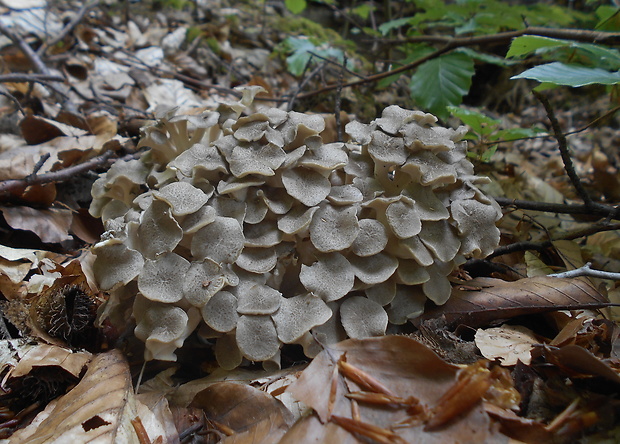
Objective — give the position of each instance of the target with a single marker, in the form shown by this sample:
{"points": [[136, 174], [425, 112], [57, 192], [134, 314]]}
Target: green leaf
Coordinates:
{"points": [[442, 82], [529, 43], [477, 121], [486, 58], [570, 75], [386, 27], [486, 156], [363, 11], [295, 6]]}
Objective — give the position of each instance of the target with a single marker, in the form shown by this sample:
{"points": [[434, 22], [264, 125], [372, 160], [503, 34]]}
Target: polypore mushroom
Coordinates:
{"points": [[330, 277], [363, 318], [161, 279]]}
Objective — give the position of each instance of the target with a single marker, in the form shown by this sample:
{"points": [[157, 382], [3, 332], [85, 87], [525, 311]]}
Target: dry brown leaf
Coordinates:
{"points": [[51, 355], [508, 343], [99, 409], [242, 408], [397, 364], [483, 300], [577, 361], [51, 225]]}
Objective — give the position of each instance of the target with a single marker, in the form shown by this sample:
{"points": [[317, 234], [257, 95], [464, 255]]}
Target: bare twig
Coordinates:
{"points": [[541, 246], [6, 186], [594, 209], [581, 35], [36, 78], [338, 104], [587, 271], [68, 28], [304, 82], [563, 146]]}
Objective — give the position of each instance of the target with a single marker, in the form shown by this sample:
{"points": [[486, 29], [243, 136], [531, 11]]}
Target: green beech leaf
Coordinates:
{"points": [[442, 82], [295, 6], [477, 121], [529, 43], [570, 75]]}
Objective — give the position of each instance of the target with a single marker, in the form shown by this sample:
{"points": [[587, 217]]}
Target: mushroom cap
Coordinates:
{"points": [[374, 269], [257, 260], [297, 315], [257, 338], [203, 280], [334, 228], [161, 279], [363, 318], [330, 277], [258, 300], [307, 186], [183, 197], [115, 264], [220, 313], [158, 232], [408, 303], [221, 241], [372, 238]]}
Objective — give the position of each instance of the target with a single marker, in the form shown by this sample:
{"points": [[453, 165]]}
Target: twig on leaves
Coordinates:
{"points": [[6, 186], [303, 83], [581, 35], [563, 146], [338, 103], [68, 28], [587, 271], [594, 209], [543, 245], [35, 78]]}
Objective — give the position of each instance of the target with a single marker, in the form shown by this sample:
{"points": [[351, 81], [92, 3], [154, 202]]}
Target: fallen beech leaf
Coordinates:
{"points": [[51, 225], [578, 360], [487, 299], [396, 364], [47, 355], [99, 409], [508, 343], [242, 408]]}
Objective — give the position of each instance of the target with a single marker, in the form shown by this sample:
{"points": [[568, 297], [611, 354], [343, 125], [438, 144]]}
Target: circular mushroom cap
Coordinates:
{"points": [[264, 234], [220, 313], [328, 157], [330, 278], [438, 287], [402, 217], [374, 269], [256, 159], [363, 318], [307, 186], [227, 353], [161, 280], [257, 260], [334, 228], [296, 220], [257, 338], [158, 232], [345, 195], [439, 238], [115, 264], [183, 197], [407, 304], [221, 241], [195, 221], [160, 327], [372, 238], [202, 281], [382, 293], [297, 315], [427, 169], [387, 149], [258, 300]]}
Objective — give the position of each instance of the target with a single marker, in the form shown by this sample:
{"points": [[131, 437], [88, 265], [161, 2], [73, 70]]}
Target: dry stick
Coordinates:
{"points": [[540, 246], [37, 78], [67, 29], [338, 102], [304, 82], [6, 186], [563, 147], [581, 35], [595, 209], [587, 271]]}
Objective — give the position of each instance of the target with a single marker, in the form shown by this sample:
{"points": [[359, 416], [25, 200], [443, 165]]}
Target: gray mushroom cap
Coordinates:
{"points": [[363, 318]]}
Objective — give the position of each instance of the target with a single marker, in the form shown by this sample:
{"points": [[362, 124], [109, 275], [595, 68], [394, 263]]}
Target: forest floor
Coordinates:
{"points": [[516, 355]]}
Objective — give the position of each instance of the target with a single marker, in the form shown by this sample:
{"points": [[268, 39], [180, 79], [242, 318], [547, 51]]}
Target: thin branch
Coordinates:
{"points": [[541, 246], [67, 29], [587, 271], [303, 83], [563, 147], [580, 35], [6, 186], [37, 78], [595, 209]]}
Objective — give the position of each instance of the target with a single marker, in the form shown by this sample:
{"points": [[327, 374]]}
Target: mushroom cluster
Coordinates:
{"points": [[256, 233]]}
